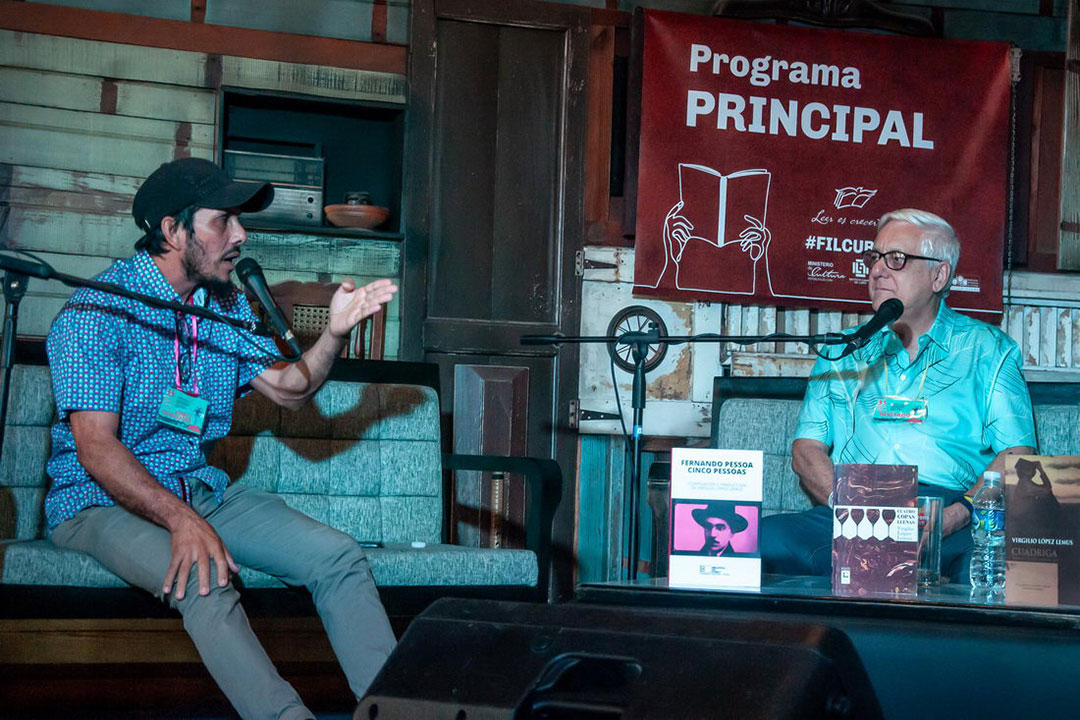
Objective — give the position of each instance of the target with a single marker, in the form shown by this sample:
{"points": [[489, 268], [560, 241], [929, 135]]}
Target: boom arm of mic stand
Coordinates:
{"points": [[75, 281], [652, 338]]}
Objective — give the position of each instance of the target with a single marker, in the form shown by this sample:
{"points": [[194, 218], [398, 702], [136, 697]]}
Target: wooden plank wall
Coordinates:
{"points": [[83, 122], [1069, 248]]}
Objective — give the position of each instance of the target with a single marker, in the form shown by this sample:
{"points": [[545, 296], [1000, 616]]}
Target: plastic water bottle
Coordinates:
{"points": [[988, 534]]}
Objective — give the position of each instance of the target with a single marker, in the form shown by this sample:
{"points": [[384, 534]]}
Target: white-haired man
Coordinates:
{"points": [[936, 389]]}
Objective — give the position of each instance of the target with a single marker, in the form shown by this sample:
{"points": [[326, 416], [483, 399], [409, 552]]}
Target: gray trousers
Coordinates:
{"points": [[262, 533]]}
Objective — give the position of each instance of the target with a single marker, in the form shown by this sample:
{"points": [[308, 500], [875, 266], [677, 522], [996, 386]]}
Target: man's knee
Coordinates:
{"points": [[214, 606], [337, 553], [779, 546], [789, 544]]}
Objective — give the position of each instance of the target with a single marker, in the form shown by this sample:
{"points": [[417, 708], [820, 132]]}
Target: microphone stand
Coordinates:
{"points": [[14, 289], [639, 343], [19, 268]]}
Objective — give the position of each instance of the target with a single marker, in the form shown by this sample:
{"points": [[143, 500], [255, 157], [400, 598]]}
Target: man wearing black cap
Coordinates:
{"points": [[720, 522], [130, 483]]}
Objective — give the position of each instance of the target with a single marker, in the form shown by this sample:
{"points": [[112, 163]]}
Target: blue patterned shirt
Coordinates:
{"points": [[977, 401], [113, 354]]}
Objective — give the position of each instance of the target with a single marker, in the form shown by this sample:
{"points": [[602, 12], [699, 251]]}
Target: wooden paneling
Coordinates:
{"points": [[491, 404], [156, 33], [326, 254], [69, 232], [116, 188], [193, 69], [97, 641], [600, 508], [465, 133], [92, 142], [1069, 249], [319, 80], [598, 132], [526, 245], [91, 94], [1044, 201], [103, 59]]}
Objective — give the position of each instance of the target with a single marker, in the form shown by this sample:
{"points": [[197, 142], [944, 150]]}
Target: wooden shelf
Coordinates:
{"points": [[328, 231]]}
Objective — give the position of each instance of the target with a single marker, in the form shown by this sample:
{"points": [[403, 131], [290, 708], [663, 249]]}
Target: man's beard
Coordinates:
{"points": [[192, 260]]}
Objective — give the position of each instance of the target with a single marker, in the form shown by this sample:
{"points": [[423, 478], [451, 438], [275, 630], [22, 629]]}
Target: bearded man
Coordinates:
{"points": [[142, 394]]}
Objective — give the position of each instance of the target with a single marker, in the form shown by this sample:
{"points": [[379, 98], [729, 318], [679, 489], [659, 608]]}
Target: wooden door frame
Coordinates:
{"points": [[420, 172]]}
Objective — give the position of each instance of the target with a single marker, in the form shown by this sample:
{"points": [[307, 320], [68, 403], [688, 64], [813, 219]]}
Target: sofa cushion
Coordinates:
{"points": [[766, 425], [39, 562]]}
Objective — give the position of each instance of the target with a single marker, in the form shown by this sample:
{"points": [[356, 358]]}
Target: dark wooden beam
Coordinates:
{"points": [[378, 21], [196, 37]]}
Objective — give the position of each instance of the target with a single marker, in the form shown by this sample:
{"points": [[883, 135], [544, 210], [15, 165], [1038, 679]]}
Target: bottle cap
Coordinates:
{"points": [[419, 543], [992, 475]]}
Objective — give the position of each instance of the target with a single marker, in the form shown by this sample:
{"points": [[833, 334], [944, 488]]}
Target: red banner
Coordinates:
{"points": [[769, 152]]}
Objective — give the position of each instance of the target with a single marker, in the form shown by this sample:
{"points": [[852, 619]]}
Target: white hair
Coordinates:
{"points": [[938, 237]]}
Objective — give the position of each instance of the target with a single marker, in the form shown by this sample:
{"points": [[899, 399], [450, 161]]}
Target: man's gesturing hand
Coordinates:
{"points": [[193, 541], [352, 304]]}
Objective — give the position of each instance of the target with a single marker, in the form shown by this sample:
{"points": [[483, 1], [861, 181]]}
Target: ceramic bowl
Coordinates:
{"points": [[356, 216]]}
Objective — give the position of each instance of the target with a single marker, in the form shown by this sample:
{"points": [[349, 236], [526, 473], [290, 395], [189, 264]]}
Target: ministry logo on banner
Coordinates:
{"points": [[769, 152]]}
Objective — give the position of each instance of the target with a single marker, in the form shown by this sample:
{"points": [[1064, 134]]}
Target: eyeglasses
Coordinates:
{"points": [[894, 259]]}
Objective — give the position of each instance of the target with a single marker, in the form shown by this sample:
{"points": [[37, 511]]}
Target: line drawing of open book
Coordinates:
{"points": [[852, 197], [716, 234]]}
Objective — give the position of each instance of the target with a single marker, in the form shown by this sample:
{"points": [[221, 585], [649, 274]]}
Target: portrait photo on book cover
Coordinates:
{"points": [[714, 528]]}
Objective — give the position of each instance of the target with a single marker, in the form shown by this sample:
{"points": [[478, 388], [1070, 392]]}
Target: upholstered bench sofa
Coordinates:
{"points": [[364, 456], [761, 414]]}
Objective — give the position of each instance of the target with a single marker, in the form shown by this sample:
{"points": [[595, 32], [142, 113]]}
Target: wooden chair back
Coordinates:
{"points": [[306, 307]]}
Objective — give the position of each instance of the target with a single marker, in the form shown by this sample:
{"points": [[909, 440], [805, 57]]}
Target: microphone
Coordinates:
{"points": [[254, 281], [26, 267], [889, 311]]}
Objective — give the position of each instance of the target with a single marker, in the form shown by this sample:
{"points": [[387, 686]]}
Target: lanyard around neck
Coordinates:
{"points": [[922, 381]]}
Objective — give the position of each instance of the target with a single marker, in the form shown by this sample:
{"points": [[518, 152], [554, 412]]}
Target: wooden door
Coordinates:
{"points": [[494, 194]]}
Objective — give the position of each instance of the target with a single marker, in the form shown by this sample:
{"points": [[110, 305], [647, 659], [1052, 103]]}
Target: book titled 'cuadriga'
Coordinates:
{"points": [[1042, 529], [875, 530]]}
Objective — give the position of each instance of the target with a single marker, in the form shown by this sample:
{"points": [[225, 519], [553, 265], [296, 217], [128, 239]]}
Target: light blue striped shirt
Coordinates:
{"points": [[977, 401]]}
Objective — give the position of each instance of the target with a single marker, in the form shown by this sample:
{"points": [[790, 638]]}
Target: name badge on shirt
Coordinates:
{"points": [[900, 408], [184, 412]]}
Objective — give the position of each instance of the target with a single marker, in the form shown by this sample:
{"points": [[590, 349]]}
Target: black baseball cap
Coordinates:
{"points": [[193, 181]]}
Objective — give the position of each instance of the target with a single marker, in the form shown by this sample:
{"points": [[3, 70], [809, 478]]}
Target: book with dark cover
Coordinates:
{"points": [[1042, 530], [875, 530]]}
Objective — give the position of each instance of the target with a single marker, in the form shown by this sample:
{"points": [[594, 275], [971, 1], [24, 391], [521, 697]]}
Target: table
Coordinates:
{"points": [[939, 655]]}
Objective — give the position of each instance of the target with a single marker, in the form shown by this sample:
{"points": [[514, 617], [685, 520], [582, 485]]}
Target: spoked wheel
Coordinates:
{"points": [[636, 318]]}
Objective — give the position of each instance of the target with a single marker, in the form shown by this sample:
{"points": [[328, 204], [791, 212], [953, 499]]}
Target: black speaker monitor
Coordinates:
{"points": [[482, 660]]}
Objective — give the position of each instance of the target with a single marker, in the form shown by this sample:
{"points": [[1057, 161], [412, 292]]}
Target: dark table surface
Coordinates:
{"points": [[813, 595]]}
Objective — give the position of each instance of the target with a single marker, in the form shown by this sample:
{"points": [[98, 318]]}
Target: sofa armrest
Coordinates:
{"points": [[543, 480]]}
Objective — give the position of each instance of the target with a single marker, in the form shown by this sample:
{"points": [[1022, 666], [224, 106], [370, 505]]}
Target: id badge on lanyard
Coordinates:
{"points": [[899, 408], [180, 410], [183, 412], [894, 407]]}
